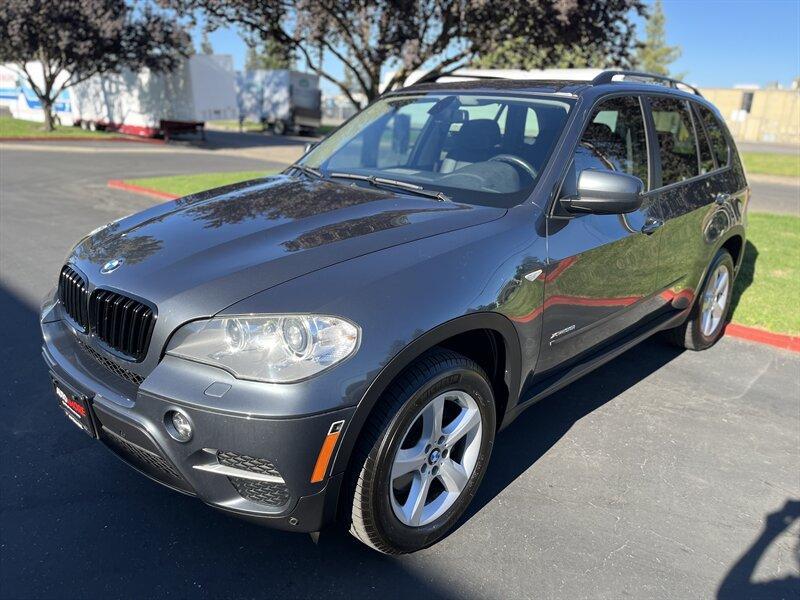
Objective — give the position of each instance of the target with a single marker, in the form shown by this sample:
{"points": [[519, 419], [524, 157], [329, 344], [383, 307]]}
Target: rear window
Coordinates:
{"points": [[719, 143]]}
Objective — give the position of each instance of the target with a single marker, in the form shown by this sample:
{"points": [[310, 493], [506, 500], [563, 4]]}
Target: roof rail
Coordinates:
{"points": [[608, 77]]}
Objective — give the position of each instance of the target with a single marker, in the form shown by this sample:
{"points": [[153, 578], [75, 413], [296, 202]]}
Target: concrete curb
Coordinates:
{"points": [[118, 184], [760, 336], [67, 138], [752, 334]]}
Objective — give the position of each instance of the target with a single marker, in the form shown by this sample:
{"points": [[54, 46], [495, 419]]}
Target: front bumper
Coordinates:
{"points": [[256, 467]]}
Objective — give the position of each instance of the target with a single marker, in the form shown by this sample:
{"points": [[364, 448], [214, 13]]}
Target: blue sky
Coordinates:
{"points": [[724, 42]]}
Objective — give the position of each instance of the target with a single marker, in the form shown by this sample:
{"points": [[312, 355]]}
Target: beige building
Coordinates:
{"points": [[755, 115]]}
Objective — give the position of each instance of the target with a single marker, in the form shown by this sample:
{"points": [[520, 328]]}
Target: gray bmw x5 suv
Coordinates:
{"points": [[343, 341]]}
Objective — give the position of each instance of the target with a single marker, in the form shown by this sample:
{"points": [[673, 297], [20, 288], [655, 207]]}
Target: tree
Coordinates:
{"points": [[269, 56], [205, 43], [369, 37], [76, 39], [654, 55], [517, 54]]}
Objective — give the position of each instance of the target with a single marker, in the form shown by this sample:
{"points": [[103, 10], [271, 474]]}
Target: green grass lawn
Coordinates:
{"points": [[233, 125], [255, 127], [767, 163], [767, 291], [14, 128], [183, 185]]}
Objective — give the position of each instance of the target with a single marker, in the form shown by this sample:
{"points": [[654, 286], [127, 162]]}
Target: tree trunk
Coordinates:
{"points": [[49, 117]]}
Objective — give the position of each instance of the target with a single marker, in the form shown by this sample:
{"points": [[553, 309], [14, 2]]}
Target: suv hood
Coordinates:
{"points": [[197, 255]]}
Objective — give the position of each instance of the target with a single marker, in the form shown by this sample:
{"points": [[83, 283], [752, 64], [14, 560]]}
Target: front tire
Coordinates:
{"points": [[706, 322], [423, 454]]}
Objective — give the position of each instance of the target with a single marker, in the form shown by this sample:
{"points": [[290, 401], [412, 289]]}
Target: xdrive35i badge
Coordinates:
{"points": [[111, 266]]}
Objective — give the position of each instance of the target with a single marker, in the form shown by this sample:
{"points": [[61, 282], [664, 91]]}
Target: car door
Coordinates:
{"points": [[693, 193], [602, 269]]}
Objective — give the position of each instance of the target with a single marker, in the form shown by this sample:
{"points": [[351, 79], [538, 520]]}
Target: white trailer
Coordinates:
{"points": [[282, 99], [16, 94], [151, 104]]}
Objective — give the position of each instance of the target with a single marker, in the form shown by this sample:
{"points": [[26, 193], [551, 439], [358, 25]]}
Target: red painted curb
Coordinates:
{"points": [[66, 138], [118, 184], [779, 340]]}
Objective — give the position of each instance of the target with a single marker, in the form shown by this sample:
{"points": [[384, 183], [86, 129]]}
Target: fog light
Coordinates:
{"points": [[178, 426]]}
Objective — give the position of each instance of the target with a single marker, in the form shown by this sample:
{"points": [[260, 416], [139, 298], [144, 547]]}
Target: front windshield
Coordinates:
{"points": [[476, 149]]}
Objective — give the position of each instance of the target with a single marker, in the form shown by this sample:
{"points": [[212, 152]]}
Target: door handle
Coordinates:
{"points": [[651, 225], [722, 198]]}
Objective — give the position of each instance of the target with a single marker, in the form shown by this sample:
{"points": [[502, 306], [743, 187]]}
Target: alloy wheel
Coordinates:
{"points": [[436, 458], [715, 300]]}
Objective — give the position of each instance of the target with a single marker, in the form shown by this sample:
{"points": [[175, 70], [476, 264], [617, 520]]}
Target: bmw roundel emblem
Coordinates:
{"points": [[111, 266]]}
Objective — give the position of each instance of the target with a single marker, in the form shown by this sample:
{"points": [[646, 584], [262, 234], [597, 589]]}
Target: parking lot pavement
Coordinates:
{"points": [[771, 194], [664, 474]]}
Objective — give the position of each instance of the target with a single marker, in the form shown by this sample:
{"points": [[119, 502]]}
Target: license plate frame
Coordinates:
{"points": [[76, 406]]}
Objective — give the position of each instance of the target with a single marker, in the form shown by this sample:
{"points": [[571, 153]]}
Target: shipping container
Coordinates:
{"points": [[151, 104]]}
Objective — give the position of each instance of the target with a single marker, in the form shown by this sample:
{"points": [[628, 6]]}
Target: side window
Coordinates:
{"points": [[676, 142], [719, 144], [706, 158], [615, 139]]}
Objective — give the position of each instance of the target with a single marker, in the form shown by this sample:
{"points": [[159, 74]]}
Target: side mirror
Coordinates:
{"points": [[605, 193], [309, 146]]}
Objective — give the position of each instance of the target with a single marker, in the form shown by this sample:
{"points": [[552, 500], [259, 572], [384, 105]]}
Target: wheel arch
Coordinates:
{"points": [[455, 334], [734, 243]]}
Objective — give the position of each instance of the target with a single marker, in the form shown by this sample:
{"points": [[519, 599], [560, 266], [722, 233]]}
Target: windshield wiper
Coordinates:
{"points": [[383, 181], [309, 171]]}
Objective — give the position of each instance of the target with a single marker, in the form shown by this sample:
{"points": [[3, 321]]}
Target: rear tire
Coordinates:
{"points": [[397, 505], [706, 321], [279, 128]]}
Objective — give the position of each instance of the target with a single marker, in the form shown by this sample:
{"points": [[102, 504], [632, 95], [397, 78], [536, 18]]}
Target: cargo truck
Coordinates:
{"points": [[284, 100], [148, 104]]}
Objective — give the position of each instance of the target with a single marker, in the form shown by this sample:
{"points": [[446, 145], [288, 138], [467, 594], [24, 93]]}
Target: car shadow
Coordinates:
{"points": [[538, 429], [745, 277], [738, 583]]}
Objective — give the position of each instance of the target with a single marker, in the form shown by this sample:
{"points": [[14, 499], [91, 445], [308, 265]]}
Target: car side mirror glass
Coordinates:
{"points": [[605, 193]]}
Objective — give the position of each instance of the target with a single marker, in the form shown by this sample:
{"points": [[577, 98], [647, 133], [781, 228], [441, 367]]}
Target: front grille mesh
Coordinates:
{"points": [[73, 292], [111, 365], [264, 492], [247, 463], [145, 457], [121, 322], [273, 494]]}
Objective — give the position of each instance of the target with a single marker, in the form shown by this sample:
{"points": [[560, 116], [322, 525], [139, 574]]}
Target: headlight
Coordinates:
{"points": [[272, 348]]}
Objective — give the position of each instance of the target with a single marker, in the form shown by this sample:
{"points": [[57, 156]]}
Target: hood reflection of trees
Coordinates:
{"points": [[108, 244], [279, 198]]}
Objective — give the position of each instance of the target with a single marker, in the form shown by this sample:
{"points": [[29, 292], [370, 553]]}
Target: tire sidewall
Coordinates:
{"points": [[705, 341], [390, 527]]}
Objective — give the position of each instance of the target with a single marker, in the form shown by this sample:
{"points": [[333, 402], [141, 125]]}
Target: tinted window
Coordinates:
{"points": [[719, 143], [706, 158], [676, 143], [615, 139], [475, 148]]}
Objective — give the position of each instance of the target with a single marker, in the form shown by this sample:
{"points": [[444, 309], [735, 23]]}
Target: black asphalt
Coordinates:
{"points": [[665, 474]]}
